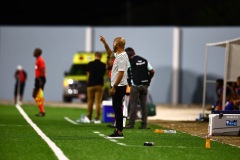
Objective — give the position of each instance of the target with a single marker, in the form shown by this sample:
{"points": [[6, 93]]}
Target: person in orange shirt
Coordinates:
{"points": [[40, 80]]}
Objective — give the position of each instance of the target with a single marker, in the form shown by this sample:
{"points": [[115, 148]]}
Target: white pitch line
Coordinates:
{"points": [[123, 144], [69, 120], [112, 140], [57, 151]]}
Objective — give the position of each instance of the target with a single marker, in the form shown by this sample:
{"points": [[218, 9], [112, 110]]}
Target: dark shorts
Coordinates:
{"points": [[40, 82]]}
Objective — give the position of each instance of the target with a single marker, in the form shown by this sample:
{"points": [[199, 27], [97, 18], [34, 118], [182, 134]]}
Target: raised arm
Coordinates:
{"points": [[108, 50]]}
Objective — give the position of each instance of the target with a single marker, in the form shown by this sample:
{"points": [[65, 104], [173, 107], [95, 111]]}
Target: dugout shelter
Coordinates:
{"points": [[231, 65]]}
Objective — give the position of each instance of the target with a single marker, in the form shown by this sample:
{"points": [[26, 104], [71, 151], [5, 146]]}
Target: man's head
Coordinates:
{"points": [[37, 52], [219, 83], [130, 52], [119, 44], [19, 67], [98, 55]]}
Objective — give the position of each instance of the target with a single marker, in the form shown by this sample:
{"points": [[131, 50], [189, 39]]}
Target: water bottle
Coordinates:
{"points": [[148, 144], [164, 131], [207, 141], [170, 131]]}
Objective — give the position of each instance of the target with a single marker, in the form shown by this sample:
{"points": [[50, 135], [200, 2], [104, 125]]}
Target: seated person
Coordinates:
{"points": [[236, 99], [219, 92], [230, 96]]}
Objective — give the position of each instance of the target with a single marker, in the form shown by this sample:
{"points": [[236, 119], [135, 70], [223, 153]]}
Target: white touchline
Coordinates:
{"points": [[57, 151], [69, 120], [112, 140]]}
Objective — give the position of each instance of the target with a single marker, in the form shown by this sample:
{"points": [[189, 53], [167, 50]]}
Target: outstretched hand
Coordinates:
{"points": [[102, 39]]}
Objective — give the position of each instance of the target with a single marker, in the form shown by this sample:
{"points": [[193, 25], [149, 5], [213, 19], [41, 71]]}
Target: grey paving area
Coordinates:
{"points": [[178, 112]]}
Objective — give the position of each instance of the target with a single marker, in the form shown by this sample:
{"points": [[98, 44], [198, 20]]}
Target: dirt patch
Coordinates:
{"points": [[197, 129]]}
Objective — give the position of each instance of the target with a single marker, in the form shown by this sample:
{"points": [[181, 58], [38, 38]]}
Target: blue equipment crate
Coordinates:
{"points": [[107, 112]]}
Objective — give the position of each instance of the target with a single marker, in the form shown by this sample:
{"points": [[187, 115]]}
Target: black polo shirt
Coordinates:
{"points": [[96, 70]]}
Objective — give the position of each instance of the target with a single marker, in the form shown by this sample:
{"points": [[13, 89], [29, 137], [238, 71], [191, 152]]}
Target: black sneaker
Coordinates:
{"points": [[128, 126], [116, 135], [40, 114]]}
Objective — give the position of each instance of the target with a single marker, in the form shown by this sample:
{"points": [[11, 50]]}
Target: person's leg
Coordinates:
{"points": [[117, 106], [125, 106], [43, 82], [98, 100], [43, 86], [40, 102], [22, 85], [38, 96], [143, 104], [134, 96], [15, 93], [90, 95]]}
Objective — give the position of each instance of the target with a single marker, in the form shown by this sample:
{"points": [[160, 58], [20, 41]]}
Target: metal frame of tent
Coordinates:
{"points": [[231, 63]]}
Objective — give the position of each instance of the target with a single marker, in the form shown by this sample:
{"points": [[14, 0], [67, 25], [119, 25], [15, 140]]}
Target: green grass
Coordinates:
{"points": [[20, 141]]}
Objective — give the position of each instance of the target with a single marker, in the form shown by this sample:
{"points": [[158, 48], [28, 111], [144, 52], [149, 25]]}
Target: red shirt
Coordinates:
{"points": [[21, 76], [39, 65]]}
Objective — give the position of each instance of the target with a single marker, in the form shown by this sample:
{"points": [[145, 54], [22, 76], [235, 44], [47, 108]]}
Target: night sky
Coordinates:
{"points": [[122, 13]]}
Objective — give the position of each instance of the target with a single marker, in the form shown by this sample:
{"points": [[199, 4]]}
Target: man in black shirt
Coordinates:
{"points": [[140, 74], [95, 72]]}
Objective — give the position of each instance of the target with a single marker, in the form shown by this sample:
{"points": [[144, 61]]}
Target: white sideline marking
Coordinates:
{"points": [[57, 151], [123, 144], [69, 120], [112, 140]]}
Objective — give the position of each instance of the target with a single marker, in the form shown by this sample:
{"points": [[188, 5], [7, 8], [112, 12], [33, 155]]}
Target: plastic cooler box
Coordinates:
{"points": [[107, 112], [224, 123]]}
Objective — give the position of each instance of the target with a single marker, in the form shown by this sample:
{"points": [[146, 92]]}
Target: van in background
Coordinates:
{"points": [[75, 80]]}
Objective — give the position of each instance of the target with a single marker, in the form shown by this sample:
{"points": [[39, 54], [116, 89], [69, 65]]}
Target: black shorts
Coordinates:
{"points": [[40, 82]]}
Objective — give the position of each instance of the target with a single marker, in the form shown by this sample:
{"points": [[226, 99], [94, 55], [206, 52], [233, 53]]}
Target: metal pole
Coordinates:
{"points": [[225, 75], [205, 79], [88, 39], [175, 64]]}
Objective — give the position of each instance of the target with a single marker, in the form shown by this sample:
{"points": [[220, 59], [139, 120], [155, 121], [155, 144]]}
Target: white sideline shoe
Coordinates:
{"points": [[83, 120], [97, 121]]}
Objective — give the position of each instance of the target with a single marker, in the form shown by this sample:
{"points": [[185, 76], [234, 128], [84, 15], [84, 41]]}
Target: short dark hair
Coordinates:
{"points": [[98, 54], [220, 81], [130, 51], [38, 51]]}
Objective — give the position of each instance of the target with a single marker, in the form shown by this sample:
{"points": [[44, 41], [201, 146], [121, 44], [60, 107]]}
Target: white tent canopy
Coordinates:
{"points": [[231, 65]]}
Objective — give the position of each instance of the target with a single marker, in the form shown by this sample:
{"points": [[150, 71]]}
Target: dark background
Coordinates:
{"points": [[122, 13]]}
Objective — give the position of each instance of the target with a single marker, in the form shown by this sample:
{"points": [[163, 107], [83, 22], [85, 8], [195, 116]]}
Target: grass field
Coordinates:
{"points": [[20, 141]]}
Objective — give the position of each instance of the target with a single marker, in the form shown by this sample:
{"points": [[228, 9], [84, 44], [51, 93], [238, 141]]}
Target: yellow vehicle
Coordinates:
{"points": [[75, 81]]}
